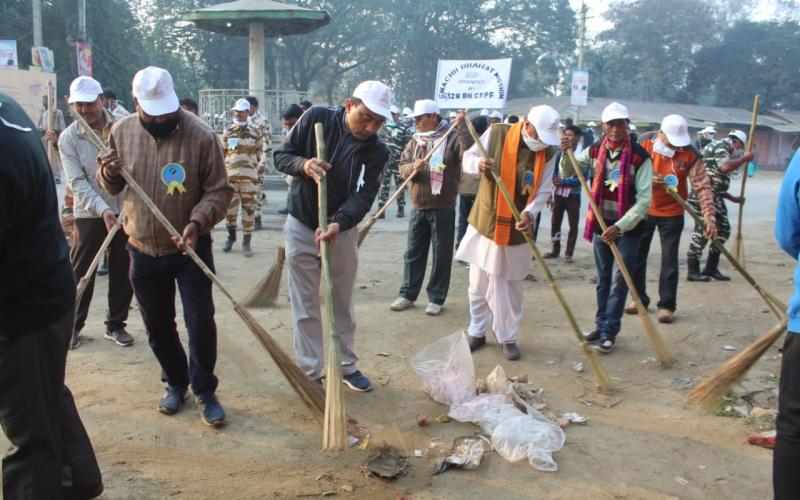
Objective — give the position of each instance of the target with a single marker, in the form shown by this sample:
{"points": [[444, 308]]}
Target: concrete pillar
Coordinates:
{"points": [[37, 23], [256, 38]]}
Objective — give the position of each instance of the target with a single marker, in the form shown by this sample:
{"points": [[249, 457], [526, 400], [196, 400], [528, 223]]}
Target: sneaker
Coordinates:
{"points": [[75, 341], [592, 337], [665, 316], [511, 351], [172, 400], [530, 277], [433, 309], [212, 412], [357, 382], [401, 304], [120, 336], [475, 342], [605, 346], [631, 308]]}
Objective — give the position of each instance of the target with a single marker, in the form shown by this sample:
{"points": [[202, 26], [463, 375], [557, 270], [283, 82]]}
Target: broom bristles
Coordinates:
{"points": [[265, 293], [364, 231], [299, 381], [720, 382], [334, 436]]}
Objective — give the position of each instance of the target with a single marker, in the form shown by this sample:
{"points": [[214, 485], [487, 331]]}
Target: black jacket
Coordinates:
{"points": [[37, 286], [352, 160]]}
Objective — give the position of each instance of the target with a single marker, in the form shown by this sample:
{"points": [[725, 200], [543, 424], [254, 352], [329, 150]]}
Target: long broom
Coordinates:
{"points": [[265, 293], [334, 431], [720, 382], [738, 241], [603, 380], [299, 381], [84, 281], [364, 231], [777, 307], [663, 352]]}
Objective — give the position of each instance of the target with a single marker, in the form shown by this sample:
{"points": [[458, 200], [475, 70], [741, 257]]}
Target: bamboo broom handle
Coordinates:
{"points": [[605, 384], [324, 246], [750, 138], [84, 281], [770, 299]]}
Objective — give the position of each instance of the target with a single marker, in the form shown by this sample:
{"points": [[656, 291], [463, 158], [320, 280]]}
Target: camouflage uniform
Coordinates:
{"points": [[244, 146], [260, 122], [715, 155], [395, 135]]}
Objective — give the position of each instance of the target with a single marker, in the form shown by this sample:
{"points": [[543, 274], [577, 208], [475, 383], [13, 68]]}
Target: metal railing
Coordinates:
{"points": [[216, 104]]}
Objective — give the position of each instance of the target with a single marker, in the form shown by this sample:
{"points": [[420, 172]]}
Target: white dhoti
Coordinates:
{"points": [[495, 285]]}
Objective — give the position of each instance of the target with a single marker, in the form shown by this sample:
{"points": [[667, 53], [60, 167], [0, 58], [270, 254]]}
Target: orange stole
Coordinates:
{"points": [[508, 174]]}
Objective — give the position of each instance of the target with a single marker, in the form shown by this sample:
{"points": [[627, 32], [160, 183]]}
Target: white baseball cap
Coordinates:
{"points": [[425, 107], [155, 92], [376, 97], [84, 89], [739, 135], [545, 120], [407, 111], [676, 129], [496, 114], [484, 112], [591, 124], [614, 111], [394, 109], [709, 130], [241, 105]]}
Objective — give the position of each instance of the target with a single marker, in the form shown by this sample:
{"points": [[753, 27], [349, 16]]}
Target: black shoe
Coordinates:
{"points": [[712, 268], [247, 250], [694, 273], [475, 343], [592, 337], [701, 278], [383, 215], [511, 351], [605, 346], [102, 269], [120, 336], [718, 276], [284, 211], [228, 245], [401, 212], [257, 223]]}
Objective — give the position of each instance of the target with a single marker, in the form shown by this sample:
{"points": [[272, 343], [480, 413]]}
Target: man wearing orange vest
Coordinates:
{"points": [[494, 245], [672, 154]]}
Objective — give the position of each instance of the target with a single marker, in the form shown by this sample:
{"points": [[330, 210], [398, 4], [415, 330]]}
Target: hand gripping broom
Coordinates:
{"points": [[663, 352], [334, 433], [603, 380], [305, 388]]}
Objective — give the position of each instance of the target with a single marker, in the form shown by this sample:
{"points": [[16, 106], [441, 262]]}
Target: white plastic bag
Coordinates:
{"points": [[446, 370], [524, 436]]}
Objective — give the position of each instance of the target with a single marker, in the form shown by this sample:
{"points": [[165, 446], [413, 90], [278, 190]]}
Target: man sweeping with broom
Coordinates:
{"points": [[356, 159], [494, 245]]}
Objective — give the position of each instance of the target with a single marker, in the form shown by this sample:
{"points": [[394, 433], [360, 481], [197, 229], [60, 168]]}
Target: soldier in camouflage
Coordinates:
{"points": [[720, 158], [244, 147], [260, 122], [395, 134]]}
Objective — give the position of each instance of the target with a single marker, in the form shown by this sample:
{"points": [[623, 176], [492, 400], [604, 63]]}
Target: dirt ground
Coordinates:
{"points": [[653, 444]]}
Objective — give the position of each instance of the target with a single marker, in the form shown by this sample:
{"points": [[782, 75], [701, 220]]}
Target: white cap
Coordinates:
{"points": [[84, 89], [545, 120], [155, 92], [676, 129], [394, 109], [241, 105], [739, 135], [632, 127], [425, 107], [614, 111], [452, 114], [484, 112], [591, 124], [709, 130], [496, 114], [407, 111], [376, 97]]}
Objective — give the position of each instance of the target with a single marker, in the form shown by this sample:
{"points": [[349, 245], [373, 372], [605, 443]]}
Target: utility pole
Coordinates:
{"points": [[581, 47], [82, 20], [37, 23]]}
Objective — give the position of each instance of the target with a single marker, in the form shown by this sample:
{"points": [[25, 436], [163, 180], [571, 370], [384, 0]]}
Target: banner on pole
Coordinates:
{"points": [[472, 83], [580, 87], [84, 52], [8, 54]]}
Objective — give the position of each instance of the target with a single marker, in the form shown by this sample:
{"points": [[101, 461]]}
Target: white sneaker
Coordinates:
{"points": [[401, 304], [433, 309]]}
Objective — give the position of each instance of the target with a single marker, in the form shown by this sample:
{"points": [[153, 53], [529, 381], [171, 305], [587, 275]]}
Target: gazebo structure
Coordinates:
{"points": [[256, 19]]}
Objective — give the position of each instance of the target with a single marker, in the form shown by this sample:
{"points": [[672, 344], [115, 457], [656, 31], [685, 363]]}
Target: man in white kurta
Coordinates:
{"points": [[495, 247]]}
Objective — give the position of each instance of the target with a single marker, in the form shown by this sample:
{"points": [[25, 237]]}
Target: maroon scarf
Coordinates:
{"points": [[624, 182]]}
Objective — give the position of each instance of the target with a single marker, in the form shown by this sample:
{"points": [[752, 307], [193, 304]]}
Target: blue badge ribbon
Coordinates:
{"points": [[173, 175], [671, 180]]}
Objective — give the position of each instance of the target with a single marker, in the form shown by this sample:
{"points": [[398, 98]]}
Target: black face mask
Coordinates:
{"points": [[160, 130]]}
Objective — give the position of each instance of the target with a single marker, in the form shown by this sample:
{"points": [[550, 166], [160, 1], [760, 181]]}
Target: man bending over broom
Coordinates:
{"points": [[356, 161]]}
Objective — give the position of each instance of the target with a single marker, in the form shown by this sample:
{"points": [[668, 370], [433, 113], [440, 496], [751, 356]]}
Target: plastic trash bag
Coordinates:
{"points": [[524, 436], [446, 370]]}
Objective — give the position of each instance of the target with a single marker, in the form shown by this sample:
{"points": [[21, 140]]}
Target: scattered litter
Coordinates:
{"points": [[572, 417], [520, 379], [442, 419], [439, 444], [352, 441], [347, 487], [417, 453], [422, 420], [447, 370], [683, 383], [387, 462], [601, 400], [384, 380], [762, 412], [701, 467], [384, 354], [578, 367], [329, 493], [681, 481], [550, 362], [467, 454], [357, 436], [648, 360], [764, 439], [323, 476], [480, 386], [692, 363], [729, 347]]}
